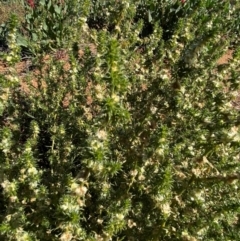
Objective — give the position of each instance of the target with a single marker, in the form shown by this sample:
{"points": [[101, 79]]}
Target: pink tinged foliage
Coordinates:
{"points": [[31, 3]]}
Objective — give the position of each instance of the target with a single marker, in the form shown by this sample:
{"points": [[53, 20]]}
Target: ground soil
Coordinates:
{"points": [[22, 69]]}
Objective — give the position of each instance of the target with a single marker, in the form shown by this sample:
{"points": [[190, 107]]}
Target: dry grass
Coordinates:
{"points": [[9, 7]]}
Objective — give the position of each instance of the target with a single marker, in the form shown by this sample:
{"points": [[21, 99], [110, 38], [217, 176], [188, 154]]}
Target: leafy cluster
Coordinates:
{"points": [[126, 130]]}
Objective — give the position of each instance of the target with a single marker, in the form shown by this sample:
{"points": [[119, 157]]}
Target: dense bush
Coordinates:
{"points": [[128, 132]]}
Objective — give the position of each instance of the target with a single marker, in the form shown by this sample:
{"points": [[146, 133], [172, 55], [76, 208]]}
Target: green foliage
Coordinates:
{"points": [[131, 135], [9, 34], [3, 33], [49, 24]]}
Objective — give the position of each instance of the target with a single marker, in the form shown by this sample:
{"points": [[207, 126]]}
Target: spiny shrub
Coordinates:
{"points": [[125, 134]]}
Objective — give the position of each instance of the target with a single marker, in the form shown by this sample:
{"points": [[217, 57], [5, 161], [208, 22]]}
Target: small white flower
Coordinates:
{"points": [[120, 216], [131, 223], [33, 185], [8, 218], [101, 135], [203, 137], [5, 184], [96, 145], [209, 25], [137, 66], [199, 196], [62, 131], [69, 207], [74, 70], [81, 190], [118, 28], [99, 96], [32, 170], [196, 172], [134, 173], [12, 79], [160, 152], [185, 233], [28, 149], [202, 231], [22, 235], [36, 129], [98, 167], [114, 68], [8, 186], [74, 186], [115, 98], [85, 27], [82, 19], [164, 77], [160, 198], [98, 88], [141, 177], [153, 109], [13, 199], [100, 221], [64, 207], [233, 132], [166, 209], [66, 236]]}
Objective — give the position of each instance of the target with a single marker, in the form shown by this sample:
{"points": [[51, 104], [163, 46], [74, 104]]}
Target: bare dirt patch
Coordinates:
{"points": [[23, 71], [225, 58]]}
